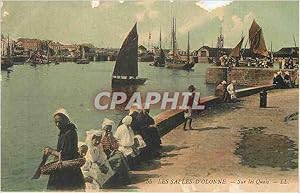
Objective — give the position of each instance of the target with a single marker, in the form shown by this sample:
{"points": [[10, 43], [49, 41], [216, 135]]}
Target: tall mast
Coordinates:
{"points": [[188, 48], [294, 41], [160, 38], [173, 38], [271, 47], [83, 52], [48, 50], [8, 47]]}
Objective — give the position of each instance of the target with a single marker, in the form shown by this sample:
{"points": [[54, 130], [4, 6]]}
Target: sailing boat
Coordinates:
{"points": [[257, 43], [236, 51], [83, 59], [160, 60], [235, 54], [6, 61], [126, 68], [176, 62]]}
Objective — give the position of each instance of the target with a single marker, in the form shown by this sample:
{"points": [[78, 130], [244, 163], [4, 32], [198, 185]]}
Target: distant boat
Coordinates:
{"points": [[126, 68], [235, 54], [37, 58], [160, 60], [83, 59], [176, 62], [258, 47], [236, 51], [6, 61]]}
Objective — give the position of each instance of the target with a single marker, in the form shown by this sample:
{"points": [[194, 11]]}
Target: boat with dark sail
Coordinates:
{"points": [[83, 59], [260, 55], [160, 60], [176, 62], [6, 61], [235, 54], [126, 68]]}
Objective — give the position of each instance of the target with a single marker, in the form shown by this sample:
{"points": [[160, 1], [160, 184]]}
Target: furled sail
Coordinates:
{"points": [[127, 59], [162, 56], [235, 53], [257, 41]]}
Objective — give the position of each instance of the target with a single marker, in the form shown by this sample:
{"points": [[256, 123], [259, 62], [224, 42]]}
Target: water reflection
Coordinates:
{"points": [[129, 91]]}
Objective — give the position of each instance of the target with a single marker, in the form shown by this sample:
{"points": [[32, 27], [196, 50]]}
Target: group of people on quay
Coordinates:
{"points": [[288, 63], [110, 152], [226, 92], [284, 80], [227, 61]]}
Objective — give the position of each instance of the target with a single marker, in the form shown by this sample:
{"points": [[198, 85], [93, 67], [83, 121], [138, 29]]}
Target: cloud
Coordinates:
{"points": [[148, 10], [192, 22], [140, 16], [210, 5], [95, 3], [234, 27], [5, 13]]}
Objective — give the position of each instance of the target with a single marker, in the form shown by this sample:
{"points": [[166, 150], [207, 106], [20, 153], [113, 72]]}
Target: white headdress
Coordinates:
{"points": [[107, 122], [63, 112], [127, 120]]}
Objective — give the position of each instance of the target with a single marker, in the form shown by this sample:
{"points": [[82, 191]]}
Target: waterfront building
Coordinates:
{"points": [[30, 44], [287, 52]]}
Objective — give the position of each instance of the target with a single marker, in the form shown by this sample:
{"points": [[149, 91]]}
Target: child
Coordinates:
{"points": [[188, 111], [188, 117]]}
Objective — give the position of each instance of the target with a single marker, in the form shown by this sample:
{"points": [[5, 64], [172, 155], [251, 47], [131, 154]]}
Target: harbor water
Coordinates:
{"points": [[30, 95]]}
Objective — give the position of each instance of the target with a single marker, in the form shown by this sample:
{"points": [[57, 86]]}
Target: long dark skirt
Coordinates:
{"points": [[152, 139], [119, 165], [67, 179]]}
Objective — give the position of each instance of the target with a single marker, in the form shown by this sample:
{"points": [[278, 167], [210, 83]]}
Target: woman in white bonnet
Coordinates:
{"points": [[96, 160], [67, 149], [115, 158], [125, 137], [231, 90]]}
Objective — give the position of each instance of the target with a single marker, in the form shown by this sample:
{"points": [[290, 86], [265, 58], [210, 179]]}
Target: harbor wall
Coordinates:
{"points": [[170, 119], [244, 76], [215, 74]]}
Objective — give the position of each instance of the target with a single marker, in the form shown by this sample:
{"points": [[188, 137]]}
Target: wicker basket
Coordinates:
{"points": [[49, 168]]}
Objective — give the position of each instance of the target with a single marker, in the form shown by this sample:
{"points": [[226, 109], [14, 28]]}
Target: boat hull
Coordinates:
{"points": [[117, 82], [158, 64], [180, 66], [6, 63], [82, 61]]}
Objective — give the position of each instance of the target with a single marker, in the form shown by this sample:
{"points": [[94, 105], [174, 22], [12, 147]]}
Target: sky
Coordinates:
{"points": [[106, 24]]}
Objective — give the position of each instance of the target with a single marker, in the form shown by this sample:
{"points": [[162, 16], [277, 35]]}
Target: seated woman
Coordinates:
{"points": [[150, 135], [89, 178], [97, 168], [220, 91], [115, 158], [67, 149], [125, 138], [232, 92]]}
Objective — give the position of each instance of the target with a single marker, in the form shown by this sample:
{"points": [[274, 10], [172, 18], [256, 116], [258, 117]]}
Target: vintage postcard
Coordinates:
{"points": [[149, 96]]}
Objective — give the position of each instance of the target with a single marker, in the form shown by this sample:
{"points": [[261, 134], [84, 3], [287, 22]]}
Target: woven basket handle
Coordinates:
{"points": [[59, 160]]}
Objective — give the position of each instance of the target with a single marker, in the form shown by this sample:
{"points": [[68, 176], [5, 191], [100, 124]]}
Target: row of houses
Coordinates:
{"points": [[23, 47]]}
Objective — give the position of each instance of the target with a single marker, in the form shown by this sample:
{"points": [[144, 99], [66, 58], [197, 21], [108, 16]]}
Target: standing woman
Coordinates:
{"points": [[67, 149]]}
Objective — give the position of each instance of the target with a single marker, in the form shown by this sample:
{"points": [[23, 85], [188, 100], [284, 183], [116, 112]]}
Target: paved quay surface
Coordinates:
{"points": [[233, 147]]}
